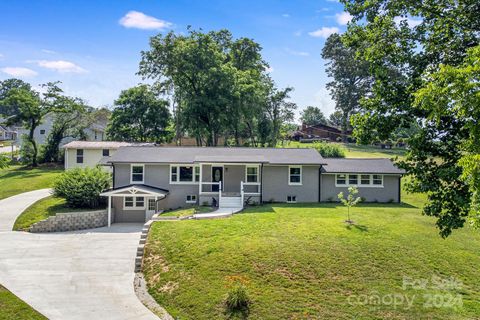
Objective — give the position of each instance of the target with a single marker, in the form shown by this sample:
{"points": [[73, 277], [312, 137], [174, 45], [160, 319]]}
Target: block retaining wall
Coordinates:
{"points": [[70, 221]]}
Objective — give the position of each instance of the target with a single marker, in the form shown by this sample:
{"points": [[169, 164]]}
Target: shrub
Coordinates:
{"points": [[330, 150], [81, 187], [237, 298], [26, 151]]}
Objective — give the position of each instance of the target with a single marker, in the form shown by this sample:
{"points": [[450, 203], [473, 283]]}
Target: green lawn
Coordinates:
{"points": [[186, 211], [17, 179], [43, 209], [353, 150], [12, 308], [304, 262]]}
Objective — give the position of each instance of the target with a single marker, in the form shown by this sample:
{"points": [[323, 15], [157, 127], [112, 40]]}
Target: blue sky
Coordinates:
{"points": [[94, 47]]}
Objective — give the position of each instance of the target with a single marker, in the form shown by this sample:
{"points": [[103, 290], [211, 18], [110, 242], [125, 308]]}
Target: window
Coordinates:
{"points": [[365, 179], [341, 179], [152, 205], [184, 174], [191, 198], [295, 175], [79, 155], [134, 203], [105, 152], [95, 135], [42, 131], [252, 174], [291, 199], [352, 179], [377, 179], [137, 173]]}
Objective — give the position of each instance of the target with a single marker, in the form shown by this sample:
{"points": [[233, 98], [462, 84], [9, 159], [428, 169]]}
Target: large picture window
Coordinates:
{"points": [[137, 173], [184, 174], [295, 175]]}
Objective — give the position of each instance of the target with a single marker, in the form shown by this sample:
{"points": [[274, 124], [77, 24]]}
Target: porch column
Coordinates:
{"points": [[109, 210]]}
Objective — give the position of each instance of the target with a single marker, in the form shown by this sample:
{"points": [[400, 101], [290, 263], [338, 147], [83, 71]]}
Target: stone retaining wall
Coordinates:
{"points": [[70, 221]]}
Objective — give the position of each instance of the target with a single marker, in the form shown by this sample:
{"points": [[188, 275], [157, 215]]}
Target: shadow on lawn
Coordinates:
{"points": [[358, 227]]}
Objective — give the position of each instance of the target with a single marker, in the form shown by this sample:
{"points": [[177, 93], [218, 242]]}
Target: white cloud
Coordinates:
{"points": [[61, 66], [139, 20], [19, 72], [269, 69], [324, 32], [286, 15], [412, 22], [48, 51], [343, 18], [297, 53]]}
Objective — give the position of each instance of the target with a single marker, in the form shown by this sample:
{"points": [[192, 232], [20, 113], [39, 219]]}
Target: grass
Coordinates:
{"points": [[185, 212], [304, 262], [17, 179], [43, 209], [353, 150], [11, 307]]}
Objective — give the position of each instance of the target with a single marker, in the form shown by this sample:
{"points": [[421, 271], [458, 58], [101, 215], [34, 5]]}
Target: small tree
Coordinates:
{"points": [[350, 201]]}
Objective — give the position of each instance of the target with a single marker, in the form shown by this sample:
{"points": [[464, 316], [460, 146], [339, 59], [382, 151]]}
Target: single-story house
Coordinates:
{"points": [[152, 178], [81, 154]]}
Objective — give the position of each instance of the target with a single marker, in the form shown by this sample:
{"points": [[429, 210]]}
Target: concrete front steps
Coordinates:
{"points": [[230, 202]]}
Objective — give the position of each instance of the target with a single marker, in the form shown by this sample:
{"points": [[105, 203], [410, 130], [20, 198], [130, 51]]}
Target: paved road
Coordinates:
{"points": [[72, 275], [7, 149]]}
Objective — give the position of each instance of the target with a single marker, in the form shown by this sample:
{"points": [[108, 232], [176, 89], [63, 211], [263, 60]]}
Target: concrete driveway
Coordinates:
{"points": [[72, 275]]}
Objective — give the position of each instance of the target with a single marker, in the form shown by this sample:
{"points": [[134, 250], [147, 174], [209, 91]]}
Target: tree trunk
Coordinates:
{"points": [[34, 145]]}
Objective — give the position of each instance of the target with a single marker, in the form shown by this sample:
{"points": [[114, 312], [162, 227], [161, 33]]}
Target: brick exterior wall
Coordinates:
{"points": [[71, 221]]}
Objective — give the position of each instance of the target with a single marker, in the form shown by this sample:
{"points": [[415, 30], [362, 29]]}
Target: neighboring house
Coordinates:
{"points": [[319, 132], [7, 133], [81, 154], [95, 132], [149, 179]]}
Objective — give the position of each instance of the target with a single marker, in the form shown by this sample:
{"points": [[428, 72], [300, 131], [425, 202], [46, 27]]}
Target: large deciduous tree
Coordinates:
{"points": [[407, 45], [312, 115], [5, 87], [139, 115], [350, 79]]}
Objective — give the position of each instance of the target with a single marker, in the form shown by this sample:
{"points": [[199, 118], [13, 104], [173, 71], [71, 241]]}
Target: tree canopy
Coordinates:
{"points": [[312, 115]]}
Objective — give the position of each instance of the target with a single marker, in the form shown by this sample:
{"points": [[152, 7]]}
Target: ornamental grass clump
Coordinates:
{"points": [[237, 299]]}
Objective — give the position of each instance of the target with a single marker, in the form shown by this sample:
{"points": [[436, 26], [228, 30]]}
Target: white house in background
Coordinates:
{"points": [[95, 132], [81, 154], [7, 133]]}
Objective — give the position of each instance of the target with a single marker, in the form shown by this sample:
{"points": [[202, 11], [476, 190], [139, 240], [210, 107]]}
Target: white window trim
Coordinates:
{"points": [[292, 201], [359, 185], [178, 174], [258, 173], [191, 201], [301, 176], [135, 203], [131, 173]]}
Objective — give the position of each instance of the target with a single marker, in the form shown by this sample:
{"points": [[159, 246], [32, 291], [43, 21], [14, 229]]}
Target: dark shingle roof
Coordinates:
{"points": [[216, 155], [381, 165]]}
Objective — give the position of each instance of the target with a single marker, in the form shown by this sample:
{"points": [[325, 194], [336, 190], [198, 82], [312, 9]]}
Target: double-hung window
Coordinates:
{"points": [[352, 179], [137, 173], [365, 179], [295, 175], [341, 179], [377, 179], [361, 180], [252, 174], [184, 174], [134, 203], [79, 155], [106, 152]]}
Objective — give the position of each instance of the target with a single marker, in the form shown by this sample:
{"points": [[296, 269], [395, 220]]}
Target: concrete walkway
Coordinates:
{"points": [[74, 275], [219, 213]]}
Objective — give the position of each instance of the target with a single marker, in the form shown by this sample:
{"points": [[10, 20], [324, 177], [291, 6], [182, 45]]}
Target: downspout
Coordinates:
{"points": [[261, 184]]}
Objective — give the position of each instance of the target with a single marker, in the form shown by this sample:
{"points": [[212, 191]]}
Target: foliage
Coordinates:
{"points": [[237, 297], [330, 150], [139, 115], [15, 179], [4, 161], [350, 200], [350, 79], [26, 151], [218, 86], [335, 119], [81, 187], [312, 115], [7, 109], [403, 61], [299, 252]]}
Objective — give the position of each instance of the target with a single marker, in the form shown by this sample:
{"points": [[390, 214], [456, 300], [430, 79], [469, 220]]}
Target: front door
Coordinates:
{"points": [[151, 208], [217, 176]]}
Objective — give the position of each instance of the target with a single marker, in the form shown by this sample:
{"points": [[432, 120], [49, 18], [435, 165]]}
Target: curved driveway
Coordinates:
{"points": [[73, 275]]}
